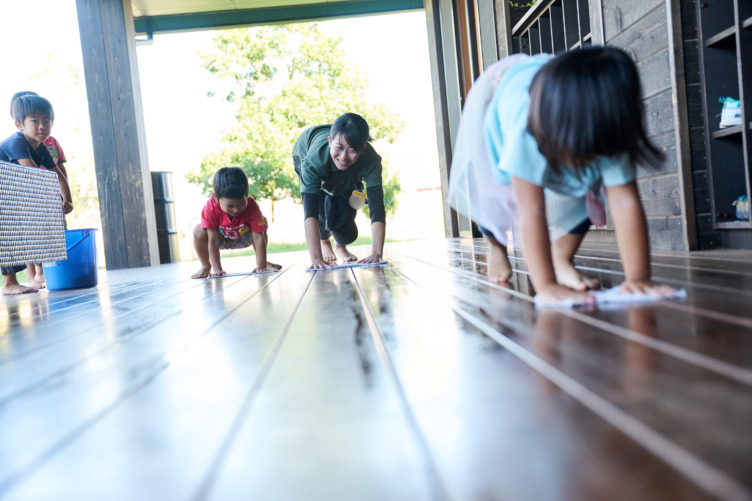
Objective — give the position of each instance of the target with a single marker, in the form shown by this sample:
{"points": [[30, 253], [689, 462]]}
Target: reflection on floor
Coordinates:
{"points": [[416, 380]]}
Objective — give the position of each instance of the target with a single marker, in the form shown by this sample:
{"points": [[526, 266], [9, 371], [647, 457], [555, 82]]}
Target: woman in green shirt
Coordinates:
{"points": [[332, 161]]}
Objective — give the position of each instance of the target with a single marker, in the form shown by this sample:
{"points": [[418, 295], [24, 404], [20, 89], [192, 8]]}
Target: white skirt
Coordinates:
{"points": [[474, 190]]}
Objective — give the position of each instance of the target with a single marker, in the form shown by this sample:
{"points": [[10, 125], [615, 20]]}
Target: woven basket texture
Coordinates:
{"points": [[31, 216]]}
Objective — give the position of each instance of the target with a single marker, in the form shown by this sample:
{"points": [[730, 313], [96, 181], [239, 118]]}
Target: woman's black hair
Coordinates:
{"points": [[230, 183], [353, 128], [31, 104], [588, 103], [16, 96]]}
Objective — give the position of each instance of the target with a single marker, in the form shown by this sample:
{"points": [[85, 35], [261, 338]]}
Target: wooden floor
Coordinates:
{"points": [[415, 381]]}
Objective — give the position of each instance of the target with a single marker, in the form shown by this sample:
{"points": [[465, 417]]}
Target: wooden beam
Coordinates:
{"points": [[487, 22], [503, 28], [273, 15], [123, 179], [681, 121], [436, 45]]}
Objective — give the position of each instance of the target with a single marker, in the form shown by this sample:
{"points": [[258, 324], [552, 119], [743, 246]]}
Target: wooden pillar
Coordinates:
{"points": [[126, 201], [487, 22], [443, 99], [503, 28], [681, 123]]}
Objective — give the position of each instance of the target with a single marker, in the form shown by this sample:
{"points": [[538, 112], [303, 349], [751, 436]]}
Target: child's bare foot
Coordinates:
{"points": [[273, 266], [202, 273], [16, 288], [327, 251], [499, 270], [37, 281], [35, 276], [567, 274], [35, 284], [344, 254]]}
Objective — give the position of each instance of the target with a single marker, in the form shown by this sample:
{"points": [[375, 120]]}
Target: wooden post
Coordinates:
{"points": [[681, 123], [441, 106], [503, 28], [488, 39], [115, 111]]}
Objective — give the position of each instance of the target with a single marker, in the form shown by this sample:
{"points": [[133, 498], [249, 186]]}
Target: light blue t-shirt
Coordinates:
{"points": [[514, 151]]}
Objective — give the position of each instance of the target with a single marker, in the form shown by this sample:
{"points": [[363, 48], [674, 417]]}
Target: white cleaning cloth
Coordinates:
{"points": [[348, 265], [246, 274], [610, 297]]}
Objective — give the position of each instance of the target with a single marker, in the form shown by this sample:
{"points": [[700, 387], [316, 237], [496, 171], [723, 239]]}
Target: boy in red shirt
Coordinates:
{"points": [[230, 220]]}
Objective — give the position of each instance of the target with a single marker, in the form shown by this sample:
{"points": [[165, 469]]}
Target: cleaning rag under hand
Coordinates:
{"points": [[611, 296]]}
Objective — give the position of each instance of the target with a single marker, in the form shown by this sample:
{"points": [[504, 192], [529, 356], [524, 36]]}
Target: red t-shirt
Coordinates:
{"points": [[55, 150], [213, 217]]}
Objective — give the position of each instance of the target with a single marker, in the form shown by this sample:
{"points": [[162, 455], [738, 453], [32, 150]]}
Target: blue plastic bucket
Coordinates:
{"points": [[80, 269]]}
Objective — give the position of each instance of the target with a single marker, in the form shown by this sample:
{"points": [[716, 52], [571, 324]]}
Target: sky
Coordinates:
{"points": [[183, 124]]}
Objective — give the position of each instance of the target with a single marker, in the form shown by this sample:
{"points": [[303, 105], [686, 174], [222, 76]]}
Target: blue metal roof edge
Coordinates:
{"points": [[276, 15]]}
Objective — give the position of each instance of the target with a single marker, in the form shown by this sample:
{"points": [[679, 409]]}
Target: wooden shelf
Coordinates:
{"points": [[747, 23], [727, 35], [734, 225], [725, 133]]}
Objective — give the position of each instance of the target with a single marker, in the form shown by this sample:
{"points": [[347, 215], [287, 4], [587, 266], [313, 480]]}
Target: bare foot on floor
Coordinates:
{"points": [[499, 270], [15, 289], [567, 274], [202, 273], [273, 266], [35, 284], [345, 255], [327, 251]]}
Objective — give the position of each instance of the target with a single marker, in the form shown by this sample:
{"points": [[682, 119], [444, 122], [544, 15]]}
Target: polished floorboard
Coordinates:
{"points": [[418, 380]]}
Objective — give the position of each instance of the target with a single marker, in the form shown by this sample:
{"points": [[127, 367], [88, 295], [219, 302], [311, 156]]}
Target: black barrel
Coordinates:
{"points": [[164, 207]]}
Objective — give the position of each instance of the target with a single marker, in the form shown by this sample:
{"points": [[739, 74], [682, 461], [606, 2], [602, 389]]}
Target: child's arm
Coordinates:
{"points": [[216, 264], [26, 162], [65, 191], [632, 237], [259, 246], [537, 245]]}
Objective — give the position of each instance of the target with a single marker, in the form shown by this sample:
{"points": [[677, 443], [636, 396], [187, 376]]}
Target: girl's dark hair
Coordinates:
{"points": [[353, 128], [16, 96], [231, 183], [31, 104], [588, 103]]}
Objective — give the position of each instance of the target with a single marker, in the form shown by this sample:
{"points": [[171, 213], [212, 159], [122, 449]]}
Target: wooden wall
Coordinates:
{"points": [[642, 28], [652, 32]]}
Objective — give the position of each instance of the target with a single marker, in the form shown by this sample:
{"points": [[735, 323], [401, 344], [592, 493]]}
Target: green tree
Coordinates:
{"points": [[286, 78]]}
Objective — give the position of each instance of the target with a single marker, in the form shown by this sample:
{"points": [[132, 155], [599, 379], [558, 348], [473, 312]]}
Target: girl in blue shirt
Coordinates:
{"points": [[557, 132]]}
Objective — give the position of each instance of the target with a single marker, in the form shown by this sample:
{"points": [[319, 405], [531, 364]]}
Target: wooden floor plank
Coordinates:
{"points": [[608, 369], [327, 397], [487, 436], [428, 382], [69, 433], [695, 323]]}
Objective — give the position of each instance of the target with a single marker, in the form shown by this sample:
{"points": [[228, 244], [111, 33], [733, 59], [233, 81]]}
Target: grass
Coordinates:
{"points": [[279, 248]]}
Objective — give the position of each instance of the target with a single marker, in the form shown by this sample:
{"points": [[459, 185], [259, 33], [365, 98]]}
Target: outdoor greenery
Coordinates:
{"points": [[279, 247], [284, 79]]}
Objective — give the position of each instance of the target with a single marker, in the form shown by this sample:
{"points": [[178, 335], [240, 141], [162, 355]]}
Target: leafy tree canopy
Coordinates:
{"points": [[284, 79]]}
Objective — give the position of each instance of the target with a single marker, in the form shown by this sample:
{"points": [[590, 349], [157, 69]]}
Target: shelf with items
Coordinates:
{"points": [[726, 69]]}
